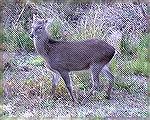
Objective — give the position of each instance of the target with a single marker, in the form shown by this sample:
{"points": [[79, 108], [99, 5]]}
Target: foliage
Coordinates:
{"points": [[96, 117], [138, 67], [135, 58], [37, 61], [143, 48], [90, 32], [2, 36], [113, 66], [39, 88], [61, 91], [82, 80], [125, 86], [1, 91], [1, 80], [126, 47], [141, 64], [24, 42], [17, 40], [55, 29]]}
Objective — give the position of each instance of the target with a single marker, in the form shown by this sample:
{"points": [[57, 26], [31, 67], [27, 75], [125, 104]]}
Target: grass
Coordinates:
{"points": [[1, 76], [130, 87], [139, 65], [82, 80], [55, 29], [61, 89], [17, 40], [38, 61]]}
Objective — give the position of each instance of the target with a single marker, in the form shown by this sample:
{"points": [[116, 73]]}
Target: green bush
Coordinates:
{"points": [[113, 66], [23, 41], [142, 63], [17, 40], [126, 48], [143, 48], [138, 65], [55, 29]]}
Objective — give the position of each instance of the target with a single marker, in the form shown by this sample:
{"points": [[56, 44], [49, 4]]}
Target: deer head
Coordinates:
{"points": [[39, 27]]}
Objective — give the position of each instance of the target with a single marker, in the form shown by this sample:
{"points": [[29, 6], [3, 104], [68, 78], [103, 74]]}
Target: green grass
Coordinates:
{"points": [[38, 61], [1, 80], [96, 117], [82, 80], [113, 66], [139, 65], [17, 40], [55, 29]]}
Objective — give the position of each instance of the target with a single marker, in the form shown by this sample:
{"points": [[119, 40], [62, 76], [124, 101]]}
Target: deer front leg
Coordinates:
{"points": [[66, 78], [55, 80]]}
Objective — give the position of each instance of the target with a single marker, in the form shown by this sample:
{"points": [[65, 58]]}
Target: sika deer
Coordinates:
{"points": [[63, 57]]}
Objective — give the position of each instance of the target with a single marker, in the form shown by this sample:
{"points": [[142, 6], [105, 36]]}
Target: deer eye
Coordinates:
{"points": [[40, 27]]}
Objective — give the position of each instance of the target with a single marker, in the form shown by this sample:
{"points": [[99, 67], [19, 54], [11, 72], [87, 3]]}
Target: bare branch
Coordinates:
{"points": [[21, 13]]}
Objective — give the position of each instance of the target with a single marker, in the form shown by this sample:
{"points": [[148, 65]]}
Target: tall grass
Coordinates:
{"points": [[134, 58], [17, 40]]}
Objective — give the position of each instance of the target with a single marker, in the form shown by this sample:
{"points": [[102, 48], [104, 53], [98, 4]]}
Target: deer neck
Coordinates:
{"points": [[39, 42]]}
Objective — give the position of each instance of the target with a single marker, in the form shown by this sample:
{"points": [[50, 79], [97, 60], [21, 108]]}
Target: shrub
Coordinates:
{"points": [[113, 66], [138, 66], [142, 63], [143, 48], [85, 31], [24, 42], [17, 40], [55, 29], [131, 64], [126, 47]]}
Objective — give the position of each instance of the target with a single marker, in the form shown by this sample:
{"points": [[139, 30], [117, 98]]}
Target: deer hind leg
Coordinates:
{"points": [[95, 70], [66, 78], [106, 72], [97, 84]]}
